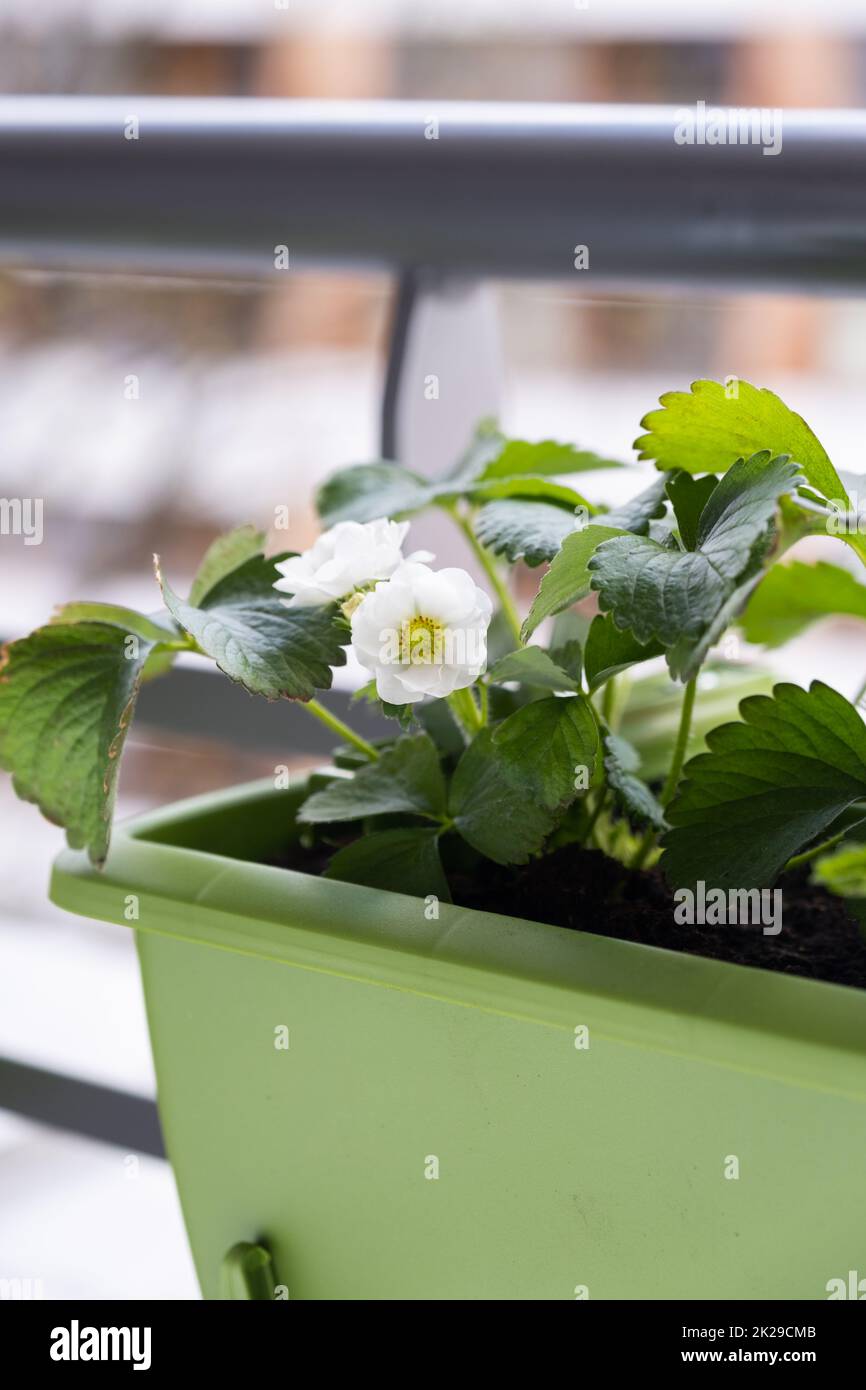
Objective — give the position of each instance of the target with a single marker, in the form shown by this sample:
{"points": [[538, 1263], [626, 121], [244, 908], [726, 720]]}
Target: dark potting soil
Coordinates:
{"points": [[585, 890]]}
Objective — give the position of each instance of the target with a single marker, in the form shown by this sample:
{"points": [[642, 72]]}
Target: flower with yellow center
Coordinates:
{"points": [[422, 641], [422, 632]]}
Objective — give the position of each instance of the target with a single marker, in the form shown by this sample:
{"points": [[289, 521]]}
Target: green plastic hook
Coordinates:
{"points": [[248, 1272]]}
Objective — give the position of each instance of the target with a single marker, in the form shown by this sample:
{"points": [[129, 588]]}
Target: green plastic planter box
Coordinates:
{"points": [[433, 1130]]}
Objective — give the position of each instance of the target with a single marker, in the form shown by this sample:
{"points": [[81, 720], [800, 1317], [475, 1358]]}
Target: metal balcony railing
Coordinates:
{"points": [[484, 190]]}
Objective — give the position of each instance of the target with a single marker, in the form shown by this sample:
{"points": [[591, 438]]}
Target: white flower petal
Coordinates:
{"points": [[452, 615], [343, 560]]}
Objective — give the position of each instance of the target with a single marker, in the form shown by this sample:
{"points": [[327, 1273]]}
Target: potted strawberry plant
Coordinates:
{"points": [[557, 991]]}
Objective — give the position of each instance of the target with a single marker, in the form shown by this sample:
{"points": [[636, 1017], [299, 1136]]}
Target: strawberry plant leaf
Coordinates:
{"points": [[706, 429], [492, 811], [544, 742], [159, 630], [767, 788], [533, 666], [398, 861], [513, 783], [689, 496], [637, 514], [685, 599], [610, 650], [568, 578], [370, 490], [621, 765], [540, 488], [519, 458], [521, 529], [569, 656], [67, 696], [792, 596], [268, 648], [405, 778], [485, 445], [112, 614], [224, 555]]}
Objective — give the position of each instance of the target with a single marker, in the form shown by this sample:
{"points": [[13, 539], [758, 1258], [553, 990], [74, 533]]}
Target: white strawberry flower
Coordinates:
{"points": [[348, 557], [422, 633]]}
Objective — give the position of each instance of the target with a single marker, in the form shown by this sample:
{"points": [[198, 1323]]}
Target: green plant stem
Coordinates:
{"points": [[188, 644], [589, 838], [338, 727], [682, 743], [466, 712], [488, 564], [676, 767], [860, 694], [809, 854], [608, 702], [484, 702]]}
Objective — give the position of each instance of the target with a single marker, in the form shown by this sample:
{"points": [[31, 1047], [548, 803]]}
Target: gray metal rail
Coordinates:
{"points": [[483, 190]]}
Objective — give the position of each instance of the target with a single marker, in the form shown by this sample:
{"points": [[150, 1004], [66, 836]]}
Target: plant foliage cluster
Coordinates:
{"points": [[618, 731]]}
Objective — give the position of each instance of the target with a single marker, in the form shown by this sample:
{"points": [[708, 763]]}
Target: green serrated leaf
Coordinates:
{"points": [[541, 489], [519, 457], [621, 765], [270, 649], [766, 789], [348, 758], [684, 600], [514, 781], [114, 615], [792, 596], [67, 695], [568, 578], [406, 778], [494, 813], [521, 529], [689, 496], [544, 742], [398, 861], [610, 650], [637, 514], [367, 491], [484, 446], [569, 656], [534, 531], [436, 718], [224, 555], [532, 666], [706, 429]]}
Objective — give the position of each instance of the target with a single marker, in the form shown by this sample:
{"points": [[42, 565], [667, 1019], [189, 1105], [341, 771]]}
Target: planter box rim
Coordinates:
{"points": [[799, 1030]]}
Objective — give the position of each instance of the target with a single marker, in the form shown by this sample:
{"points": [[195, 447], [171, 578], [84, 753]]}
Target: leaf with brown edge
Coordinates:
{"points": [[67, 696]]}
